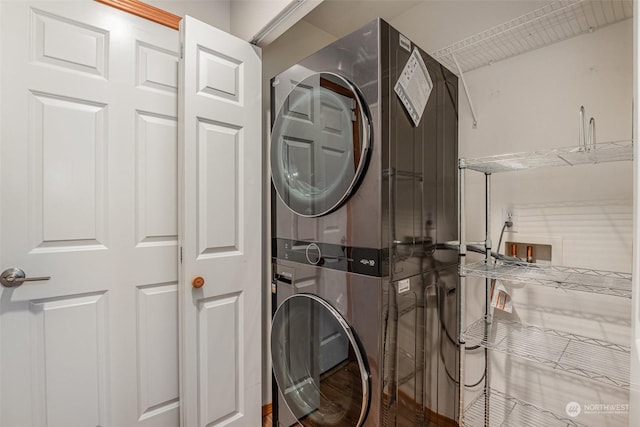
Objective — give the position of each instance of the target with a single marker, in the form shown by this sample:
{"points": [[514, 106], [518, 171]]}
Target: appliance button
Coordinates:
{"points": [[313, 254]]}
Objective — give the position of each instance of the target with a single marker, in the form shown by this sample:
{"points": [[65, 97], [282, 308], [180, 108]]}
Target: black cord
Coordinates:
{"points": [[441, 303], [484, 370], [446, 370], [507, 223]]}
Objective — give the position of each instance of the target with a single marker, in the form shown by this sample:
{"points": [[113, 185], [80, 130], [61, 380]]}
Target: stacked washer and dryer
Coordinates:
{"points": [[364, 327]]}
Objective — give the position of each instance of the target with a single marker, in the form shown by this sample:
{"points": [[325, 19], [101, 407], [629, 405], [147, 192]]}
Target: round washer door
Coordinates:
{"points": [[317, 364], [319, 144]]}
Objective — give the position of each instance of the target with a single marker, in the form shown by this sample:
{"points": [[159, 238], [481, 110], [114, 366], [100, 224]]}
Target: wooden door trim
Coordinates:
{"points": [[267, 409], [146, 11]]}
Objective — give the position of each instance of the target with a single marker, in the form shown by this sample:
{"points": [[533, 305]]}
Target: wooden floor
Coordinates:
{"points": [[266, 421]]}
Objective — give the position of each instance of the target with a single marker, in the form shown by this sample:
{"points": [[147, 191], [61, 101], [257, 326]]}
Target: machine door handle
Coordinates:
{"points": [[13, 277]]}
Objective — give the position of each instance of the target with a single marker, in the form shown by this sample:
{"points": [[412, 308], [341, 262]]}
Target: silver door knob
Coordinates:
{"points": [[13, 277]]}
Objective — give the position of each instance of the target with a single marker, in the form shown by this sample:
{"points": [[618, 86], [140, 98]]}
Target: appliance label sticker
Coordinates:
{"points": [[404, 286], [405, 43], [414, 86]]}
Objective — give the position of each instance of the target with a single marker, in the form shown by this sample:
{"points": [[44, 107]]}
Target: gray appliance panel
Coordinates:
{"points": [[419, 173], [406, 201], [407, 331], [358, 221], [358, 299]]}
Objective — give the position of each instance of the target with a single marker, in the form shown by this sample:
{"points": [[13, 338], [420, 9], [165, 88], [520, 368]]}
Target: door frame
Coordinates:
{"points": [[146, 11]]}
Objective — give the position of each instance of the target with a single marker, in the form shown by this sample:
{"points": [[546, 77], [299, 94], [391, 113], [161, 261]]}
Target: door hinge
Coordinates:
{"points": [[181, 50], [180, 254]]}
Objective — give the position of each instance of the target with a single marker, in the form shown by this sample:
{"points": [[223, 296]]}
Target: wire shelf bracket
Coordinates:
{"points": [[466, 90]]}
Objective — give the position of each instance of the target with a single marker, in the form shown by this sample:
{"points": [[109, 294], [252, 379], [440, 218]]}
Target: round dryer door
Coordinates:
{"points": [[317, 364], [319, 144]]}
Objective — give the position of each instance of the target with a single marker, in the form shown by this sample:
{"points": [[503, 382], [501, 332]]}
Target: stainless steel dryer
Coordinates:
{"points": [[364, 198]]}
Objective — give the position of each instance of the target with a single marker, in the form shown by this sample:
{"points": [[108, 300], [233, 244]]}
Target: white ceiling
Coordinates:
{"points": [[432, 24], [340, 17], [514, 26]]}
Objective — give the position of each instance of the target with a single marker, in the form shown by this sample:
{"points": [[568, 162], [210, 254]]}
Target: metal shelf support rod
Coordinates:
{"points": [[487, 313], [466, 91], [488, 244], [462, 252]]}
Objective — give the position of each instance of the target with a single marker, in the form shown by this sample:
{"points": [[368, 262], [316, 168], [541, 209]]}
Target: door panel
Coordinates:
{"points": [[62, 221], [219, 146], [72, 367], [70, 44], [220, 350], [156, 183], [220, 227], [157, 321], [89, 197]]}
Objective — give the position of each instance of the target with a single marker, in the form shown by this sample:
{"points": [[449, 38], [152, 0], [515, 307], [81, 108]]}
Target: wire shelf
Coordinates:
{"points": [[587, 357], [552, 23], [508, 411], [568, 278], [603, 153]]}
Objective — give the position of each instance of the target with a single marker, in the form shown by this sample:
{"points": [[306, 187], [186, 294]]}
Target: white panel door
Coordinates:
{"points": [[220, 227], [89, 198]]}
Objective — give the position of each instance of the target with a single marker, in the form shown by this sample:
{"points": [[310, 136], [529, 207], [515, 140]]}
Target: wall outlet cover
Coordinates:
{"points": [[509, 214]]}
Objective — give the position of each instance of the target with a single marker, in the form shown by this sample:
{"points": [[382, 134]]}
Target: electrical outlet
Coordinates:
{"points": [[509, 215]]}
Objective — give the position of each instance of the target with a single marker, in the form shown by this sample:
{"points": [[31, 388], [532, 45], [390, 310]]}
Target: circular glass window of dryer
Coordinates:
{"points": [[319, 144], [317, 364]]}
